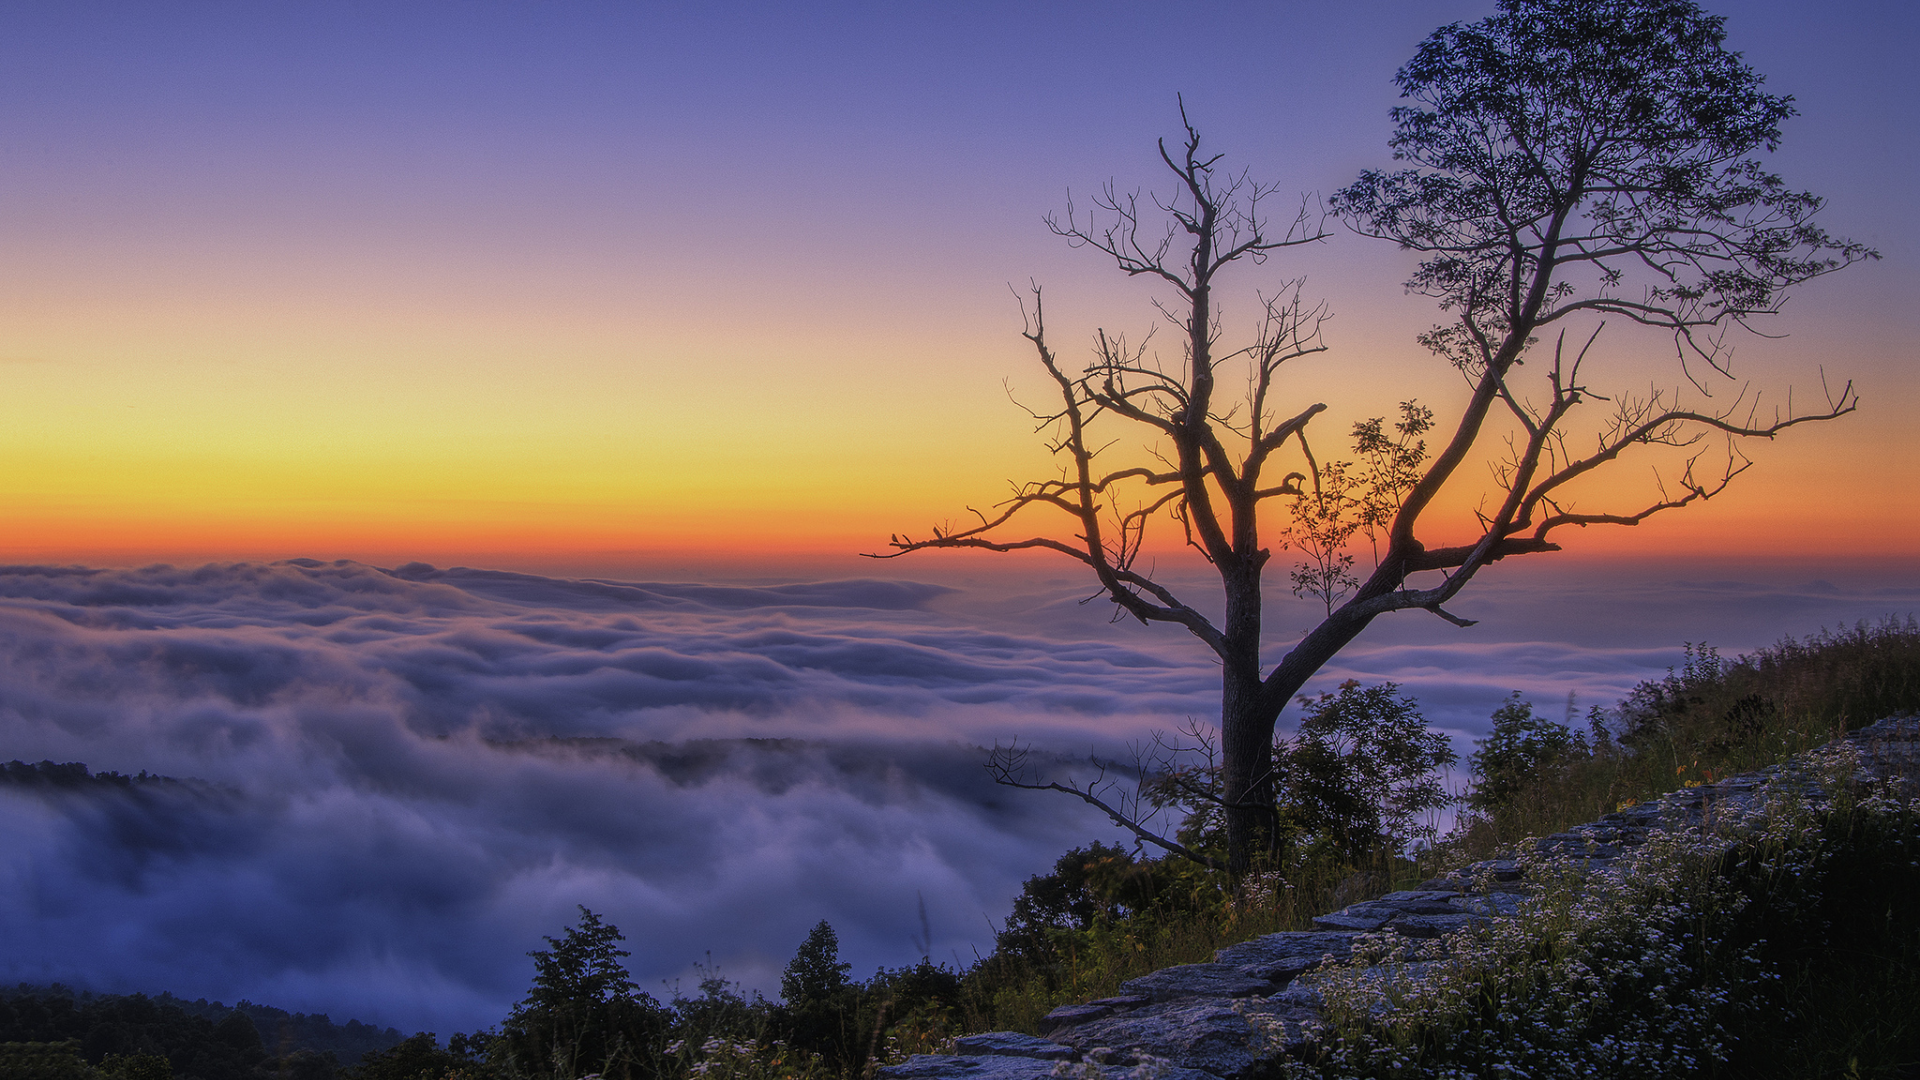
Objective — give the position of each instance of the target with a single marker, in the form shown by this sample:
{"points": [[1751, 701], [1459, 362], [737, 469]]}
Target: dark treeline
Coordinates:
{"points": [[75, 774], [58, 1032]]}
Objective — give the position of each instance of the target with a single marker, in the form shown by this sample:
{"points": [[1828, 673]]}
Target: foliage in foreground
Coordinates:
{"points": [[1780, 943], [1686, 968], [1710, 718]]}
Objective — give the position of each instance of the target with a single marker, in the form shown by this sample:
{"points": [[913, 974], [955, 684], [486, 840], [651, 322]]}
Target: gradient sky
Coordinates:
{"points": [[653, 293], [628, 285]]}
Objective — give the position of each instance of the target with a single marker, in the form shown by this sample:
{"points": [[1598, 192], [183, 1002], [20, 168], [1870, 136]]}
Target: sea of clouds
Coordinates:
{"points": [[399, 780]]}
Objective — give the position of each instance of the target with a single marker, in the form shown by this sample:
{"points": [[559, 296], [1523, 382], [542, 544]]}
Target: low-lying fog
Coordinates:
{"points": [[399, 780]]}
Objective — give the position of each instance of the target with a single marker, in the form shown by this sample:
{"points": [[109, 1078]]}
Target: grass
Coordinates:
{"points": [[1711, 719]]}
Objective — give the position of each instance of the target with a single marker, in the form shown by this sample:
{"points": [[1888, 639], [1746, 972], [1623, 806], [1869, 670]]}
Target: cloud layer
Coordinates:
{"points": [[402, 779]]}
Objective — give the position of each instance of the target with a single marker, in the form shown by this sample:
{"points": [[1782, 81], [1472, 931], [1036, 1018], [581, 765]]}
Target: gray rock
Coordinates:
{"points": [[1300, 996], [1490, 904], [1578, 843], [956, 1067], [1342, 920], [1423, 902], [1011, 1044], [1279, 957], [1495, 870], [1433, 926], [1197, 980], [999, 1067], [1067, 1015], [1210, 1035]]}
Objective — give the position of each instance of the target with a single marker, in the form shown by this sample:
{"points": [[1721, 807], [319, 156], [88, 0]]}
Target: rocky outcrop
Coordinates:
{"points": [[1220, 1021]]}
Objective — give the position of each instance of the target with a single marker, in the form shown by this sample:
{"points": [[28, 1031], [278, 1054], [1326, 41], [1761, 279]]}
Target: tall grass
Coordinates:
{"points": [[1710, 719]]}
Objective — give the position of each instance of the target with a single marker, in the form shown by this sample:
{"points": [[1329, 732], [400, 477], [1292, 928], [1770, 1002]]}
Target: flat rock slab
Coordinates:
{"points": [[1497, 903], [1279, 957], [1433, 926], [1002, 1067], [1068, 1015], [1225, 1039], [1359, 924], [974, 1067], [1496, 869], [1422, 902], [1011, 1044], [1198, 980]]}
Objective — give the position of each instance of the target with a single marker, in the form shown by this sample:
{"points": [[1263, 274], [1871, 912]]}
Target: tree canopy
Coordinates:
{"points": [[1565, 162]]}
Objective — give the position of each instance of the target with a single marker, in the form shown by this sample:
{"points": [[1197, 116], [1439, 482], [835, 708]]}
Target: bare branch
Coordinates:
{"points": [[1008, 766]]}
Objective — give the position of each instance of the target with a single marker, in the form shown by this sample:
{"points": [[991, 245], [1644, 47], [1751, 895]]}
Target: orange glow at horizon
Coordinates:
{"points": [[492, 509], [698, 452], [539, 342]]}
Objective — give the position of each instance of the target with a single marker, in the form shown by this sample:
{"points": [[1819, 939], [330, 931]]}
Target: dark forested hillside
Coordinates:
{"points": [[283, 1032], [202, 1040]]}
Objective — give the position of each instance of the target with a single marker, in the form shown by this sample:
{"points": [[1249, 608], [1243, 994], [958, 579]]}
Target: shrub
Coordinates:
{"points": [[1523, 748]]}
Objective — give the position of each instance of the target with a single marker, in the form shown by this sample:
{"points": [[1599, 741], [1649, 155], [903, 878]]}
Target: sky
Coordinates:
{"points": [[655, 317], [630, 286]]}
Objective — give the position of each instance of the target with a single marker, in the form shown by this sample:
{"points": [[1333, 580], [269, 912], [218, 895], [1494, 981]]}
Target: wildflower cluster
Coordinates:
{"points": [[719, 1058], [1641, 970]]}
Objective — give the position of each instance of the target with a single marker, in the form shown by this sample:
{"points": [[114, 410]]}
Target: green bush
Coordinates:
{"points": [[1708, 719], [1522, 749]]}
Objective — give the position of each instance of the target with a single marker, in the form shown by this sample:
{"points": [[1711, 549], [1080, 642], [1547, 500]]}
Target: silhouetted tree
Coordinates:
{"points": [[820, 999], [583, 1013], [1520, 748], [1567, 160], [1362, 773]]}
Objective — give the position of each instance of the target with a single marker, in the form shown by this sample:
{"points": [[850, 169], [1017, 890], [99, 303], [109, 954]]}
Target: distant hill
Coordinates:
{"points": [[74, 774], [202, 1038], [74, 1012], [282, 1032]]}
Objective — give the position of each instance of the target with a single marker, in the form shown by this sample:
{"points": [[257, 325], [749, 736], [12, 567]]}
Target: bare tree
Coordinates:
{"points": [[1569, 160]]}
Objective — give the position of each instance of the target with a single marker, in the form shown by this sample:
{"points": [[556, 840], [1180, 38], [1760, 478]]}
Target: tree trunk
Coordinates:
{"points": [[1246, 726], [1246, 763]]}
